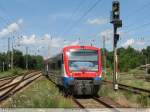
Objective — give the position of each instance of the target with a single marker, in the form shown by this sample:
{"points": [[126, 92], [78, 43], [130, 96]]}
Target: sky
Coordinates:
{"points": [[46, 26]]}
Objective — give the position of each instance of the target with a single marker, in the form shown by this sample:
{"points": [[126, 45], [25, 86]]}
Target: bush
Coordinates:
{"points": [[15, 72], [143, 100], [148, 71]]}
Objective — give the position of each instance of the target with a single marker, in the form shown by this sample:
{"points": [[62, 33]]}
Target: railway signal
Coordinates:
{"points": [[117, 23], [115, 10], [115, 14]]}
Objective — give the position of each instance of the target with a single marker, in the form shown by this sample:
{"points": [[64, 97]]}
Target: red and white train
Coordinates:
{"points": [[78, 69]]}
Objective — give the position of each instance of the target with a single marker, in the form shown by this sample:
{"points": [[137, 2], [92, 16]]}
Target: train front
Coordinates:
{"points": [[82, 66]]}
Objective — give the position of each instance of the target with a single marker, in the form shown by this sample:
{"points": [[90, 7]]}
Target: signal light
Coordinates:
{"points": [[115, 14], [116, 10]]}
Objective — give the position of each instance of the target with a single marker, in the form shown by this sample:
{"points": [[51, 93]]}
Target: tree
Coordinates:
{"points": [[129, 58], [18, 59]]}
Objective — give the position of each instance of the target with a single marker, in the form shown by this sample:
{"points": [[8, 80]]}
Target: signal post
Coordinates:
{"points": [[117, 23]]}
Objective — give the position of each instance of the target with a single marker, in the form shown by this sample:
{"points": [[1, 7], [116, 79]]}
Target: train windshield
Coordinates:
{"points": [[83, 60]]}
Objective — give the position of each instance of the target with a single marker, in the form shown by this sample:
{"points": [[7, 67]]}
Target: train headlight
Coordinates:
{"points": [[68, 53], [97, 78], [71, 74], [97, 81]]}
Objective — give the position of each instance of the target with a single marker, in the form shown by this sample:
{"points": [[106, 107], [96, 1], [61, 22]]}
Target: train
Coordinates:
{"points": [[77, 69]]}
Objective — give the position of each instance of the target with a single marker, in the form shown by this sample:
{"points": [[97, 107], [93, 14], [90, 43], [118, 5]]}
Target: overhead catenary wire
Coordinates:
{"points": [[9, 19], [131, 29], [137, 27], [75, 12], [138, 10], [85, 14]]}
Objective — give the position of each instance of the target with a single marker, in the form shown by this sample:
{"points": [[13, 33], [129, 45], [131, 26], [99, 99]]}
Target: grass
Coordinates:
{"points": [[107, 91], [125, 98], [130, 78], [137, 71], [41, 94], [143, 100], [15, 71], [128, 98]]}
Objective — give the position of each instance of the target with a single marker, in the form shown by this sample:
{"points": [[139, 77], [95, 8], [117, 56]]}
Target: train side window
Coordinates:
{"points": [[59, 64], [52, 66], [47, 67]]}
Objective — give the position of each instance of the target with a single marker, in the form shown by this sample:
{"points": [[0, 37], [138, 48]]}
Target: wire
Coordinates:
{"points": [[136, 12], [75, 12], [138, 27], [139, 9], [9, 20], [85, 14], [79, 6]]}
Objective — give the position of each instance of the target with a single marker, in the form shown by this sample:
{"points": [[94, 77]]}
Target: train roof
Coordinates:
{"points": [[71, 47], [78, 47], [52, 58]]}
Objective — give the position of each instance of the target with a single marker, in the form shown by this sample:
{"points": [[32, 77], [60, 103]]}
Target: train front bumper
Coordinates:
{"points": [[84, 86]]}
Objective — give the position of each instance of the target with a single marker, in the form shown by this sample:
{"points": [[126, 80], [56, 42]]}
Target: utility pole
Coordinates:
{"points": [[117, 23], [146, 63], [115, 74], [3, 66], [12, 56], [49, 50], [104, 55], [27, 58], [92, 43], [9, 54], [49, 47]]}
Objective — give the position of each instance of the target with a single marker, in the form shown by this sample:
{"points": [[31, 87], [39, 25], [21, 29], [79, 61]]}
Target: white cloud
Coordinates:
{"points": [[132, 41], [140, 42], [46, 40], [47, 36], [129, 42], [13, 27], [28, 40], [59, 42], [97, 21], [106, 33], [20, 21], [75, 43]]}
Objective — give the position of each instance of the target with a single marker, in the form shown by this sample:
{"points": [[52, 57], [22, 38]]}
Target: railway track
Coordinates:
{"points": [[95, 102], [131, 88], [7, 78], [10, 86], [13, 76]]}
